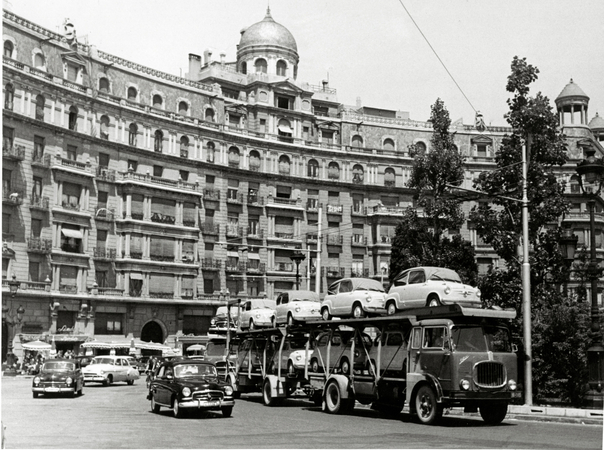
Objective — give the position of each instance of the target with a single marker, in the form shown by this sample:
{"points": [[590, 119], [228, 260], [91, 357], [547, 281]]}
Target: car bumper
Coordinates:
{"points": [[375, 308], [205, 404], [53, 389], [93, 378], [306, 315], [263, 322]]}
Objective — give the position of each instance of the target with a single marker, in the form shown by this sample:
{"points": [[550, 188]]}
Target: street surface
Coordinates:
{"points": [[119, 416]]}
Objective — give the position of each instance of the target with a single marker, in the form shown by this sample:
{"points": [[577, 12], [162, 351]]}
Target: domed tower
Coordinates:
{"points": [[572, 110], [268, 47], [597, 128]]}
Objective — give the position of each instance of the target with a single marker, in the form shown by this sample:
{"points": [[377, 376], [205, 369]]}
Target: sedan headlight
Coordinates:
{"points": [[512, 385], [68, 381], [228, 390], [186, 392], [447, 290], [37, 380], [464, 384]]}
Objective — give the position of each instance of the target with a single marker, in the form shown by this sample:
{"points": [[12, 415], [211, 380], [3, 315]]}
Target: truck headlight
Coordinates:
{"points": [[228, 390], [464, 384], [37, 380], [186, 392], [512, 385], [68, 381]]}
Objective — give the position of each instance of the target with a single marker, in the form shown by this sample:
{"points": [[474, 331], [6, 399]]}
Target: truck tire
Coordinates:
{"points": [[334, 402], [427, 409], [493, 414], [267, 396]]}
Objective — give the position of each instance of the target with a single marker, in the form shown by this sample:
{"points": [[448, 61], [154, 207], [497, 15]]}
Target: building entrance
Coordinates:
{"points": [[152, 332]]}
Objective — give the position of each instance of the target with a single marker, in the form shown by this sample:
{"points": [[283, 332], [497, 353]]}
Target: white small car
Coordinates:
{"points": [[292, 306], [256, 313], [354, 297], [109, 369], [430, 286]]}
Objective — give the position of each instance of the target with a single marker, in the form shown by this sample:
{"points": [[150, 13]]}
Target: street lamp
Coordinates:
{"points": [[14, 286], [591, 179], [297, 257]]}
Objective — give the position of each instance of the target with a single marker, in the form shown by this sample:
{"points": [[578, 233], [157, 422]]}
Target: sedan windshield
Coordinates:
{"points": [[194, 370], [481, 339], [102, 361], [58, 366]]}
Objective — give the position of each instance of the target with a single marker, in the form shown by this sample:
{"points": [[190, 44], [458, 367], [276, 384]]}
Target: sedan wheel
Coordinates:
{"points": [[345, 366], [130, 382], [154, 406], [314, 366], [178, 413], [357, 311], [227, 411], [391, 309]]}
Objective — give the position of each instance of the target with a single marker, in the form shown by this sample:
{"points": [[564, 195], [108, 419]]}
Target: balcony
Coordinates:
{"points": [[234, 230], [39, 203], [255, 200], [334, 208], [100, 253], [283, 236], [359, 273], [255, 232], [312, 238], [211, 194], [312, 205], [210, 228], [257, 267], [71, 206], [164, 258], [40, 160], [383, 239], [12, 197], [211, 264], [236, 267], [334, 239], [13, 152], [283, 267], [162, 218], [136, 255], [387, 210], [358, 240], [358, 210], [72, 166], [287, 202], [178, 185], [38, 245], [188, 258], [188, 222], [161, 294], [68, 289], [105, 174], [35, 285], [105, 215], [234, 197], [110, 292]]}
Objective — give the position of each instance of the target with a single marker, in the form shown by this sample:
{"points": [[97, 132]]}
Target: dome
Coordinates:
{"points": [[597, 123], [571, 90], [267, 33]]}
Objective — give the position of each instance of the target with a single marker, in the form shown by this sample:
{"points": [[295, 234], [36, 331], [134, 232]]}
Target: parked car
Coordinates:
{"points": [[430, 286], [256, 313], [59, 376], [109, 369], [184, 384], [297, 305], [356, 297], [337, 356]]}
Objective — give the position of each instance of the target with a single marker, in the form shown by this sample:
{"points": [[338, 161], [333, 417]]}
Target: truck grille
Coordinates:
{"points": [[489, 374], [208, 395]]}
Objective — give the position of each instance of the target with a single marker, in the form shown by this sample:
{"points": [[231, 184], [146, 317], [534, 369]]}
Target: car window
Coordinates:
{"points": [[194, 370], [346, 286], [402, 281], [58, 365], [417, 276], [336, 340], [322, 340], [102, 361], [333, 289], [434, 337], [284, 299]]}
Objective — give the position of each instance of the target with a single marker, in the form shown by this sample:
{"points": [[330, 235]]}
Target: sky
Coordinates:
{"points": [[367, 49]]}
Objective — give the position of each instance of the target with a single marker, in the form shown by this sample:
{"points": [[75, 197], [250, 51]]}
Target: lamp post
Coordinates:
{"points": [[591, 179], [297, 257]]}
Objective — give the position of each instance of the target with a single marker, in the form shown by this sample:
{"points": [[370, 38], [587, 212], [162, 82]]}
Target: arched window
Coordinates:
{"points": [[104, 85], [388, 144], [157, 101], [132, 94], [8, 49], [420, 149], [158, 141], [333, 171], [40, 102], [183, 108], [284, 165], [313, 168], [244, 68], [260, 65], [9, 96], [39, 61], [358, 174], [105, 127], [184, 147], [389, 177], [357, 141], [234, 156], [132, 133], [254, 161], [73, 118], [209, 115], [211, 149], [281, 68]]}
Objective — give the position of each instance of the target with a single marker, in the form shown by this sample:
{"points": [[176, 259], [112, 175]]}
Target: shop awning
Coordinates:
{"points": [[233, 254], [253, 256], [76, 234]]}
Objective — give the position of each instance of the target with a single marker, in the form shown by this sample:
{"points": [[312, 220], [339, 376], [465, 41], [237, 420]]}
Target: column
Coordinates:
{"points": [[23, 101], [85, 240], [126, 284], [126, 237], [53, 104], [145, 284], [128, 206], [177, 250], [59, 192], [177, 284], [28, 103], [62, 121]]}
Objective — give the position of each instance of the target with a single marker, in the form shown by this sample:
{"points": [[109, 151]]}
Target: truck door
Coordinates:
{"points": [[435, 355], [416, 346]]}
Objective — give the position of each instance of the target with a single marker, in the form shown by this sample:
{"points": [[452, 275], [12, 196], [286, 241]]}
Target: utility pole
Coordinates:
{"points": [[526, 282], [318, 264]]}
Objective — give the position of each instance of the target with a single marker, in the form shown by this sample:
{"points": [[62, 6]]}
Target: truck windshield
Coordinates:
{"points": [[480, 339]]}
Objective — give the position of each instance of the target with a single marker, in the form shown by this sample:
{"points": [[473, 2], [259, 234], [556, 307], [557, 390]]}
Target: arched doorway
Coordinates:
{"points": [[152, 332]]}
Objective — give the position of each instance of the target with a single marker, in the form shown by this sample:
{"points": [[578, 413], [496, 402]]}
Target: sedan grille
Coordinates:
{"points": [[208, 395], [489, 374]]}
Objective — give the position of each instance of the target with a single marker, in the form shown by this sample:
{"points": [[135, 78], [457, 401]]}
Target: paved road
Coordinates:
{"points": [[118, 416]]}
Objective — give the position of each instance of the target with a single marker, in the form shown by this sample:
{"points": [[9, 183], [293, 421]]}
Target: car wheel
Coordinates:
{"points": [[35, 394], [227, 411], [130, 382], [433, 301], [291, 370], [178, 412], [107, 381], [345, 366], [493, 414], [290, 320], [267, 396], [273, 322], [314, 366], [391, 308], [427, 409], [252, 326], [357, 311], [325, 314], [154, 406], [334, 403]]}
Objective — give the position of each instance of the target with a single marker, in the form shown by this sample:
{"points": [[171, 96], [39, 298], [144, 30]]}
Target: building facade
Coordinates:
{"points": [[135, 202]]}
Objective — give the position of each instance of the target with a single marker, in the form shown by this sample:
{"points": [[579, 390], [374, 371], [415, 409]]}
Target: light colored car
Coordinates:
{"points": [[356, 297], [109, 369], [293, 356], [430, 286], [257, 312], [297, 305], [336, 356]]}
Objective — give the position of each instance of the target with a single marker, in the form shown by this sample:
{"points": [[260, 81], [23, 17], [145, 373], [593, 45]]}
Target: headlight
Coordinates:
{"points": [[37, 380], [464, 384], [368, 298], [447, 290], [228, 390], [186, 392], [512, 385], [68, 381], [478, 293], [297, 309], [257, 315], [213, 321], [298, 357]]}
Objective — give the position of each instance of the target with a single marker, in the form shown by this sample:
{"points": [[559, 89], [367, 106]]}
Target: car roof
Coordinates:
{"points": [[301, 294], [189, 361]]}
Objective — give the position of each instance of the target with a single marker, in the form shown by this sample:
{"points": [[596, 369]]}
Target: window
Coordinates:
{"points": [[39, 144], [284, 165], [132, 94], [104, 128], [183, 108], [284, 130], [158, 141], [357, 141], [260, 65], [234, 157], [101, 238], [434, 337], [254, 161], [36, 191], [184, 175], [34, 271], [71, 239], [36, 228], [388, 144], [358, 174], [9, 96], [244, 68], [6, 181], [108, 323], [104, 85], [184, 147], [281, 68], [5, 223], [132, 165], [305, 133], [389, 177], [8, 49], [284, 102], [158, 101], [73, 118], [481, 150], [209, 115], [132, 134], [313, 168], [284, 191], [327, 136], [103, 160], [210, 179], [40, 100], [72, 72], [101, 278], [102, 199], [158, 171], [39, 61], [7, 138], [233, 189], [71, 153], [210, 151], [420, 149], [71, 196], [262, 126], [333, 171]]}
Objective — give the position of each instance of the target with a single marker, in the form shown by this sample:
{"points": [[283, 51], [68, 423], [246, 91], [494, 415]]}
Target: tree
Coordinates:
{"points": [[557, 323], [421, 241]]}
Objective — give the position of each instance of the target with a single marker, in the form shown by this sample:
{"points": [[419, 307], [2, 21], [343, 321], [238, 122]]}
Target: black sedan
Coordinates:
{"points": [[190, 385], [59, 376]]}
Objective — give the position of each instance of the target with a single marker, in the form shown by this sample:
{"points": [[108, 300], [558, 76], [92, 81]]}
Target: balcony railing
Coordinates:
{"points": [[255, 232], [282, 235], [358, 240], [360, 273], [210, 228], [335, 272], [136, 255], [358, 210], [39, 245], [104, 214], [334, 239], [255, 199], [188, 222], [105, 174], [255, 268], [164, 258], [188, 258], [162, 218], [234, 197], [73, 164], [237, 267], [104, 253], [312, 205], [12, 197], [283, 201], [159, 181], [234, 230], [283, 267], [312, 238], [211, 263], [112, 292], [68, 289], [385, 239], [37, 202], [71, 207], [161, 294], [211, 194], [35, 285], [14, 152], [41, 160]]}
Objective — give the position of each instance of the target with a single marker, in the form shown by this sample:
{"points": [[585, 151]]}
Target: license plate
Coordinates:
{"points": [[51, 389], [211, 404]]}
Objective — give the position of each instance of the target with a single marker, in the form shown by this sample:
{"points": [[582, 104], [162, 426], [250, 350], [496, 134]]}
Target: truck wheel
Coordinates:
{"points": [[154, 406], [317, 398], [325, 314], [433, 301], [267, 397], [428, 410], [334, 402], [227, 411], [391, 308], [493, 414], [357, 311]]}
